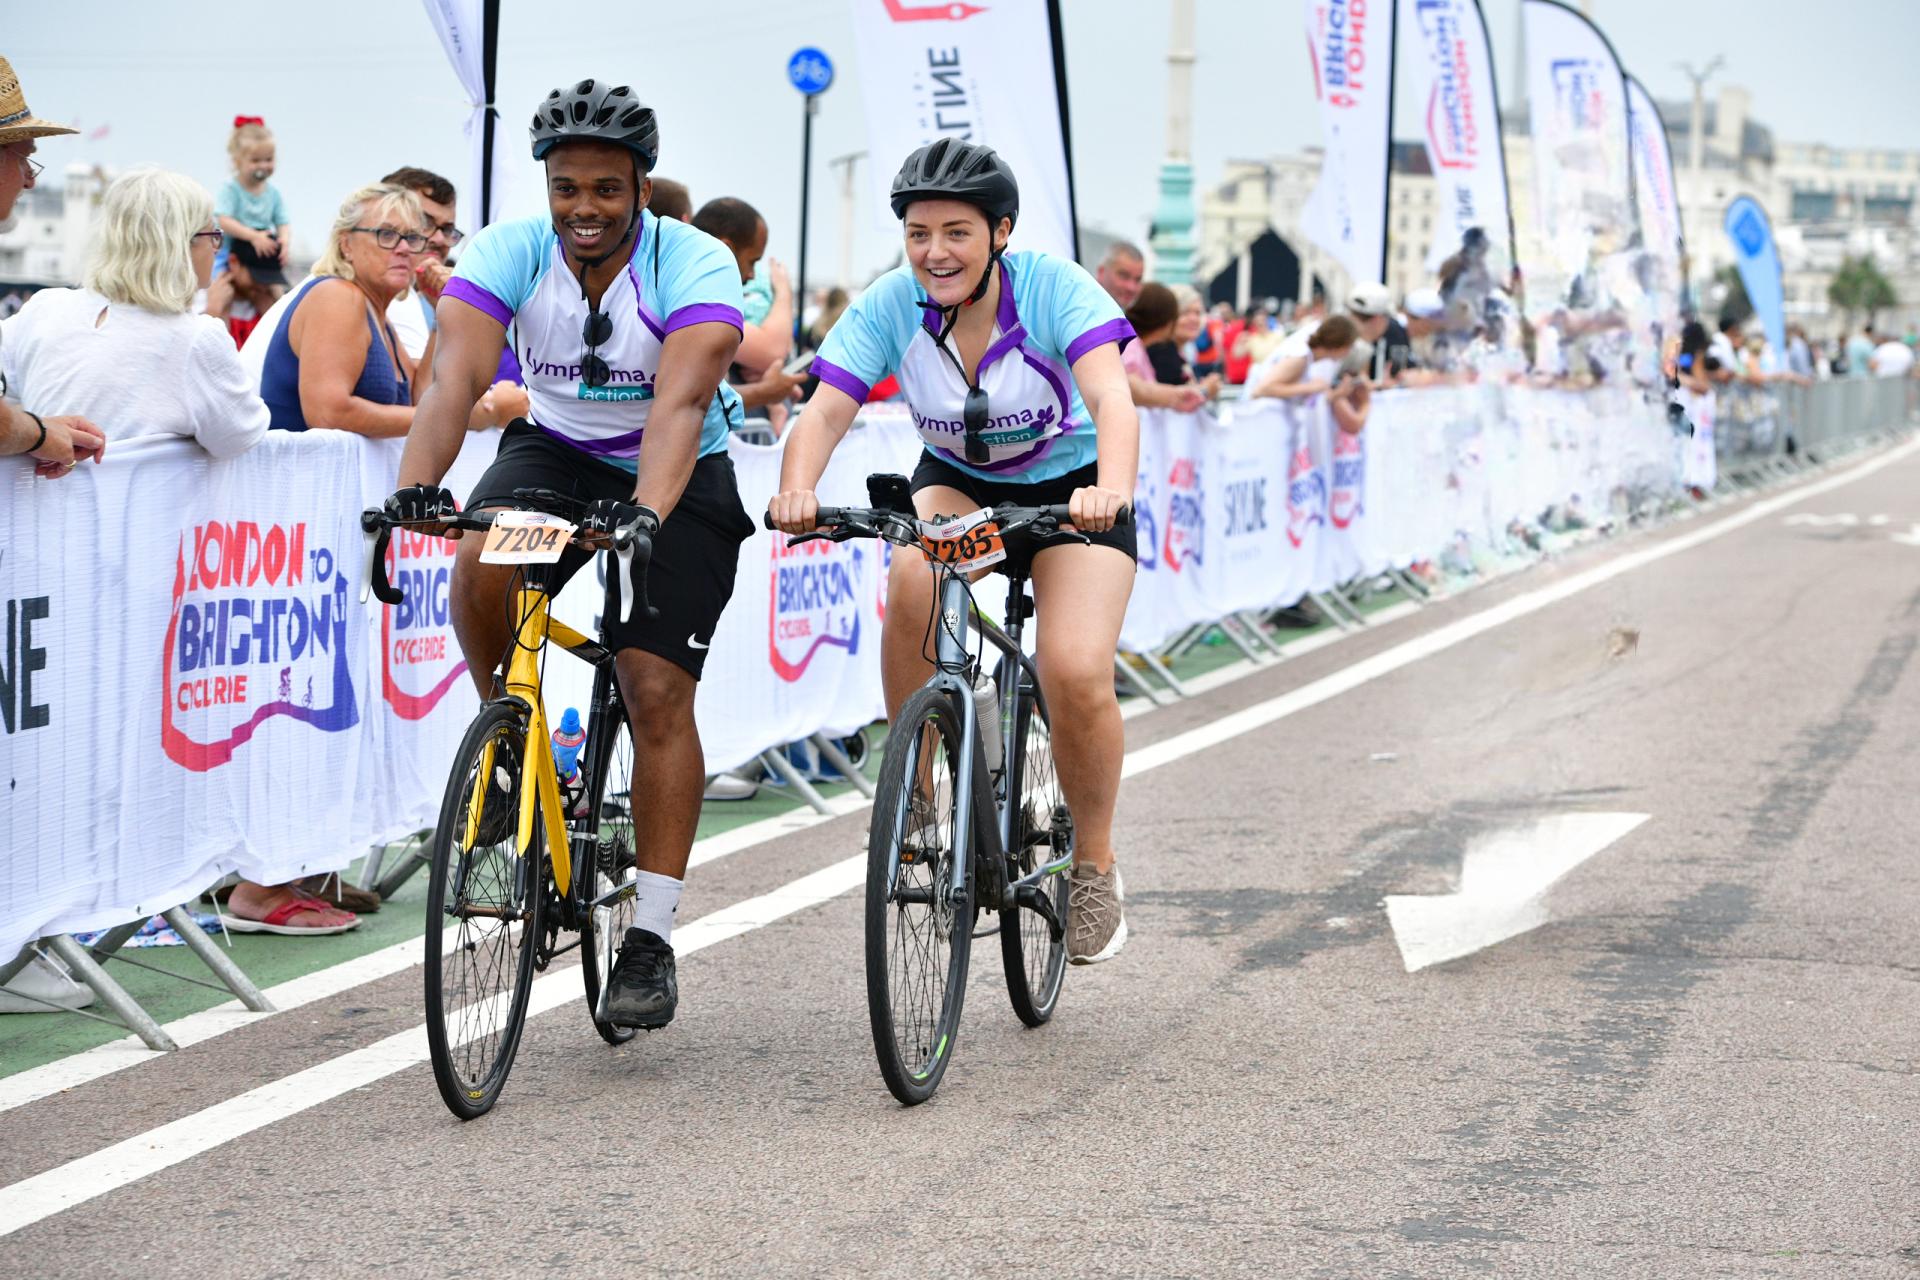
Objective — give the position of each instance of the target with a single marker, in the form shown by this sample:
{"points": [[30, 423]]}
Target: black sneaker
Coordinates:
{"points": [[642, 991]]}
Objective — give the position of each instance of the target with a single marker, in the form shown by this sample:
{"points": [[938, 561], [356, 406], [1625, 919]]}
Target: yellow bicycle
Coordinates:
{"points": [[520, 854]]}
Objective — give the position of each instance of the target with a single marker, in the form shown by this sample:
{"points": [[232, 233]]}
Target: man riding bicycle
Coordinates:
{"points": [[624, 325], [1010, 363]]}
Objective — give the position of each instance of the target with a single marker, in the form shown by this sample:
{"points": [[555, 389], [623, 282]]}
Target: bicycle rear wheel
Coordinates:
{"points": [[610, 824], [484, 907], [1035, 960], [919, 933]]}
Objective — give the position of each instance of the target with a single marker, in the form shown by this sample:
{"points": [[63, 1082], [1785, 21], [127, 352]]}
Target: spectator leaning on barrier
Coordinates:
{"points": [[1121, 272], [126, 351], [1891, 359], [1157, 378], [1371, 306], [58, 442], [1288, 375], [757, 373]]}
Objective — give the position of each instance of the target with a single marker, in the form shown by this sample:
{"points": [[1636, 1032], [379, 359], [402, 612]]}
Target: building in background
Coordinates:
{"points": [[45, 242]]}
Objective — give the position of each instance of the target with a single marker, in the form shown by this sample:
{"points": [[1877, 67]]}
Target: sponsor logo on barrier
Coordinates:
{"points": [[1451, 131], [1146, 531], [1339, 49], [1246, 507], [419, 657], [1306, 496], [900, 11], [1186, 534], [1349, 477], [882, 580], [259, 629], [24, 656], [813, 599]]}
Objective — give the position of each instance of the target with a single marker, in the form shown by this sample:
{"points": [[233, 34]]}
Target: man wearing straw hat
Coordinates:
{"points": [[56, 443]]}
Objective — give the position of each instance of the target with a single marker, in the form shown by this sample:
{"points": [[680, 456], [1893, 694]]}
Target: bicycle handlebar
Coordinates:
{"points": [[377, 527], [837, 524]]}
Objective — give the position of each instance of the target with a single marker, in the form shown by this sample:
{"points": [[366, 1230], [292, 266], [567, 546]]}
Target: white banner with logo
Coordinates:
{"points": [[1576, 96], [189, 684], [978, 73], [1451, 80], [1351, 45]]}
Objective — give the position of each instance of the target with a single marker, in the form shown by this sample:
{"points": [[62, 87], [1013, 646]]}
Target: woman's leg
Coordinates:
{"points": [[1080, 595]]}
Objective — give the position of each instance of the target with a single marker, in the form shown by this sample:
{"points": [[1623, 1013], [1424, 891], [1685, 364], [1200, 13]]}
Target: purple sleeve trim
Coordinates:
{"points": [[1114, 330], [834, 376], [706, 313], [474, 296]]}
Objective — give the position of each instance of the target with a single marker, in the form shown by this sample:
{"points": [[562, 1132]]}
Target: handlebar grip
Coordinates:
{"points": [[378, 535], [822, 518]]}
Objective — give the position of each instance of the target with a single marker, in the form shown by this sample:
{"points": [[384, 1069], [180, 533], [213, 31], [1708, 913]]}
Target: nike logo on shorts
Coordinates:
{"points": [[693, 642]]}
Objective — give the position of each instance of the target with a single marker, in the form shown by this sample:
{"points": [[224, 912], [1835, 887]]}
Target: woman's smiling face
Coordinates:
{"points": [[948, 246]]}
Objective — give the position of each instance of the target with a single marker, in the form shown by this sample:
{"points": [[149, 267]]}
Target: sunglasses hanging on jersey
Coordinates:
{"points": [[598, 328], [974, 412]]}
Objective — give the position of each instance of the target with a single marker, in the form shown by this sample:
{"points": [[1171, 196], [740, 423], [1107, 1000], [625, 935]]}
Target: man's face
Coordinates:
{"points": [[439, 226], [591, 196], [749, 255], [1371, 327], [15, 174], [1121, 277]]}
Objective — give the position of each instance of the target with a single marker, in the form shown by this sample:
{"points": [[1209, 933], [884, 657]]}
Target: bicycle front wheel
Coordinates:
{"points": [[1035, 959], [603, 927], [919, 929], [484, 906]]}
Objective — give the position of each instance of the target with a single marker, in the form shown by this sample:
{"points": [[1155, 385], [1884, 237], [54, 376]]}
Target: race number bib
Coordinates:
{"points": [[526, 537], [966, 542]]}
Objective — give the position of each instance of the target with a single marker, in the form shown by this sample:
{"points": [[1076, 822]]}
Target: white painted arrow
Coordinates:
{"points": [[1911, 538], [1504, 879]]}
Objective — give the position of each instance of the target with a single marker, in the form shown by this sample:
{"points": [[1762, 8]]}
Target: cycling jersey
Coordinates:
{"points": [[677, 275], [1051, 313]]}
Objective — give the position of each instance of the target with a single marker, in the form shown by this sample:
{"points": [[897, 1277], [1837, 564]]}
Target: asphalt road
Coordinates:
{"points": [[1702, 1065]]}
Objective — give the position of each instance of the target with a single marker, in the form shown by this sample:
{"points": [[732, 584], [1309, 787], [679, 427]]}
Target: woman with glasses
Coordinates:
{"points": [[1010, 363], [126, 351], [334, 361]]}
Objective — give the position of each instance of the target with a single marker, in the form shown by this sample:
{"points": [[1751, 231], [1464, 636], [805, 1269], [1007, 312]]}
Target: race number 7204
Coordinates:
{"points": [[526, 537]]}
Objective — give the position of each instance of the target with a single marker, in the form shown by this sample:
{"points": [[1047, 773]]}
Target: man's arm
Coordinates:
{"points": [[769, 341], [693, 360], [466, 355]]}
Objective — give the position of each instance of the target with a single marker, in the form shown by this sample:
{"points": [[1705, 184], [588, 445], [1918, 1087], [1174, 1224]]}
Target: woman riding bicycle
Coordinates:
{"points": [[1010, 363]]}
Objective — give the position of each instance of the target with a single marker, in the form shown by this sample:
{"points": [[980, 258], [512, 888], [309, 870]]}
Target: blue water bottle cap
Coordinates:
{"points": [[570, 721]]}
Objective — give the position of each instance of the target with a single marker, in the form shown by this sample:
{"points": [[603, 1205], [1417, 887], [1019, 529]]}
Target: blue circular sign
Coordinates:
{"points": [[810, 71]]}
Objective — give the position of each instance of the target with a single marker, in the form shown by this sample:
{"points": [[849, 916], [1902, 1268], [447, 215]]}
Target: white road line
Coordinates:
{"points": [[30, 1200]]}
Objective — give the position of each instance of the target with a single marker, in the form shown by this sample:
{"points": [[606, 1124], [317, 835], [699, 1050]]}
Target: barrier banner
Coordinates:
{"points": [[1583, 183], [1453, 77], [1350, 44], [980, 73]]}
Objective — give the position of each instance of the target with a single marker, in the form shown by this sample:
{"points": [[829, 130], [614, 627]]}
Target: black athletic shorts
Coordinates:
{"points": [[933, 471], [694, 554]]}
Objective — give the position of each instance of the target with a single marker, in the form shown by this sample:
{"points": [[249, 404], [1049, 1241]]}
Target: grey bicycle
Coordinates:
{"points": [[968, 817]]}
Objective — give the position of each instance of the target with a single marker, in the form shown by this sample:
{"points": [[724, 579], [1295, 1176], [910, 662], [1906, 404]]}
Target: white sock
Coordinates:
{"points": [[655, 900]]}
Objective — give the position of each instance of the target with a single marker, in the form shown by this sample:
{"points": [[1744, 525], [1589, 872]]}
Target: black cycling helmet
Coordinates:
{"points": [[595, 112], [954, 170]]}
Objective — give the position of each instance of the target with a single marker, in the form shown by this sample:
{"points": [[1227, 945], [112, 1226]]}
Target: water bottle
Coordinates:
{"points": [[567, 741], [986, 709]]}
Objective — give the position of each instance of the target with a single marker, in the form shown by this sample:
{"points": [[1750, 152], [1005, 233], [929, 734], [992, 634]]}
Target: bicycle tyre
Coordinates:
{"points": [[611, 820], [916, 966], [474, 1018], [1035, 962]]}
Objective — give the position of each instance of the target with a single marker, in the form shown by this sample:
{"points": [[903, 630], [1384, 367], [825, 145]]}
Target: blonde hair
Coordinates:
{"points": [[1185, 295], [142, 248], [365, 208], [244, 137]]}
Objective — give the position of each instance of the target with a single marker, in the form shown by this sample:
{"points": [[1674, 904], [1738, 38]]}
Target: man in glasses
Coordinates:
{"points": [[60, 442], [412, 316], [623, 324]]}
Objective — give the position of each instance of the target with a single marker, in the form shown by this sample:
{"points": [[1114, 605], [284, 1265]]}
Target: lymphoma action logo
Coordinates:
{"points": [[419, 657], [813, 600], [259, 629]]}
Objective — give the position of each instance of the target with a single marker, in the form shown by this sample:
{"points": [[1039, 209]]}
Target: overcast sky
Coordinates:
{"points": [[354, 88]]}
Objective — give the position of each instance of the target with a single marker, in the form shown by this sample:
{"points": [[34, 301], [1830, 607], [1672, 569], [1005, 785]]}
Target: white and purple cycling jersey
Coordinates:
{"points": [[677, 276], [1051, 313]]}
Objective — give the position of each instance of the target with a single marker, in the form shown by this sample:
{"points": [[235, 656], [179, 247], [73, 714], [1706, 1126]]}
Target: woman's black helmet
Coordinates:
{"points": [[954, 170], [596, 112]]}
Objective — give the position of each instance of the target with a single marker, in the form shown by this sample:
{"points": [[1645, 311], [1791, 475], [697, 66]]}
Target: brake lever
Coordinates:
{"points": [[378, 534], [625, 551]]}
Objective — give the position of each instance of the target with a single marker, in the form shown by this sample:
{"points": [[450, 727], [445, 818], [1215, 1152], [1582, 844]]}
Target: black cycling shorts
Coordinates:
{"points": [[981, 492], [695, 553]]}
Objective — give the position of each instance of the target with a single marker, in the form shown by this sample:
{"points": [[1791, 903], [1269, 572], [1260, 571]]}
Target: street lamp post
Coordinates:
{"points": [[1696, 151], [1173, 218]]}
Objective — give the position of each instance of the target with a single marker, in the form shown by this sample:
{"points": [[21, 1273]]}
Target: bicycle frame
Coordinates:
{"points": [[537, 627]]}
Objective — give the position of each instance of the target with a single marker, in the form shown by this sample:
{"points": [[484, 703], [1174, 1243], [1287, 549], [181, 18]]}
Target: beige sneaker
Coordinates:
{"points": [[1096, 920]]}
